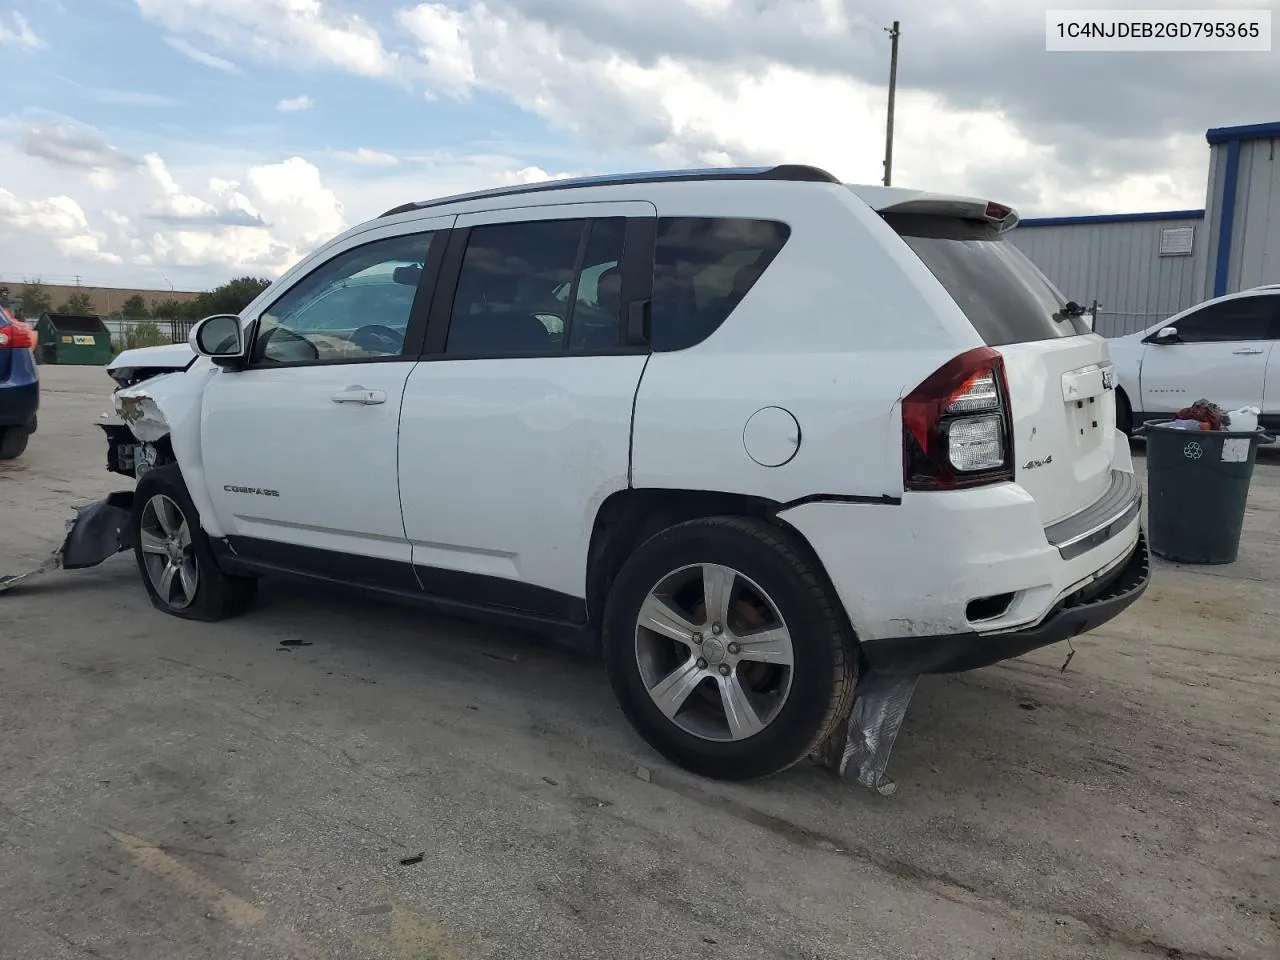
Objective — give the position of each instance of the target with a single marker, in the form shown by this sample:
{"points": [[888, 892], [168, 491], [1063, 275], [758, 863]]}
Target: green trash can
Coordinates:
{"points": [[1197, 487]]}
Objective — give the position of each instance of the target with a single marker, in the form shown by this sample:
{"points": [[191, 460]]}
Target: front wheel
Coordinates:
{"points": [[725, 649], [173, 554]]}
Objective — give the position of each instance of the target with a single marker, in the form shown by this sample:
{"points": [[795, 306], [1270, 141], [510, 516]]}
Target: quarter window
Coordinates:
{"points": [[539, 287], [1247, 318], [354, 307], [703, 267]]}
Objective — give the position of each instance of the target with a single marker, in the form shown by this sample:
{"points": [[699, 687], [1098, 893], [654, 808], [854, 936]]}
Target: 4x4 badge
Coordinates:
{"points": [[1032, 464], [1108, 378]]}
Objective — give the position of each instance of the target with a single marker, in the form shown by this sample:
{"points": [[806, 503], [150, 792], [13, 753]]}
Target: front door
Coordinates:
{"points": [[1221, 356], [517, 424], [300, 447]]}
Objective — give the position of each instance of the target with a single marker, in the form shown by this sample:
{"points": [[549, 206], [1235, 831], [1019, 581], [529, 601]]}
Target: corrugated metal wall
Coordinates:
{"points": [[1117, 262], [1243, 161], [1255, 241]]}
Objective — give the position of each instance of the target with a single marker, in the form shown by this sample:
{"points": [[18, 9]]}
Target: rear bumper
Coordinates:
{"points": [[1085, 610]]}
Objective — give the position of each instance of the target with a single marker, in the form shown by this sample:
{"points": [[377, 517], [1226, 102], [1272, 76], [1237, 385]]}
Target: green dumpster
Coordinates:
{"points": [[1197, 487], [67, 339]]}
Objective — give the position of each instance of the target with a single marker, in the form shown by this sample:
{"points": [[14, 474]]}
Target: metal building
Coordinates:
{"points": [[1139, 267], [1143, 267], [1243, 209]]}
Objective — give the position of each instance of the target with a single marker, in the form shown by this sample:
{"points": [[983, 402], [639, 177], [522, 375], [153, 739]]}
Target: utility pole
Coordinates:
{"points": [[893, 32]]}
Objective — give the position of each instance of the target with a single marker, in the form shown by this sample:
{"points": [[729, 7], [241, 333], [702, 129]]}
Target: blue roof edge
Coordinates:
{"points": [[1250, 131], [1112, 218]]}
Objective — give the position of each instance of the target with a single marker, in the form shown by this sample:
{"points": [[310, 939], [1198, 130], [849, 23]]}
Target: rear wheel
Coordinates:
{"points": [[1124, 414], [174, 557], [725, 649], [13, 441]]}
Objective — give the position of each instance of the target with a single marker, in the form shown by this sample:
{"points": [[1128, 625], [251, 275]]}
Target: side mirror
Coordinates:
{"points": [[219, 338], [1166, 335]]}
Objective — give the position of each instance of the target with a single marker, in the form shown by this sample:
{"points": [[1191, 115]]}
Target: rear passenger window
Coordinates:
{"points": [[1248, 318], [539, 287], [703, 267]]}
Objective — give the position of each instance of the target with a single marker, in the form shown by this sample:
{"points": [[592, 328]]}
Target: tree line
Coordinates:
{"points": [[232, 297]]}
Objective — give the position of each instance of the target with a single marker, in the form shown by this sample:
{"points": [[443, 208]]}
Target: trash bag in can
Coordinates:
{"points": [[1197, 487]]}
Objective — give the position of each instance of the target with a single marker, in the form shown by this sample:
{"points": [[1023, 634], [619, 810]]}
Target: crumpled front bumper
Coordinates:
{"points": [[99, 531]]}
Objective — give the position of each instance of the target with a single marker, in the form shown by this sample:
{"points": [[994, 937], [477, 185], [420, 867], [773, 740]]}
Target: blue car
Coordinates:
{"points": [[19, 385]]}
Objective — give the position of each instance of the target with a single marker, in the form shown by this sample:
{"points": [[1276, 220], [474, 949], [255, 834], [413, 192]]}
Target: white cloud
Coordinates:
{"points": [[15, 30], [688, 110], [369, 158], [61, 220], [302, 31], [193, 52], [295, 104]]}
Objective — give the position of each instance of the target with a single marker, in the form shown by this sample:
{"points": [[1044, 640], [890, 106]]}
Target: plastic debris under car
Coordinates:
{"points": [[98, 531]]}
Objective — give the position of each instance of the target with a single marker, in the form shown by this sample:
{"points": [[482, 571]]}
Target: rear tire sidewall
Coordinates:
{"points": [[214, 589], [1124, 414], [796, 730], [13, 442]]}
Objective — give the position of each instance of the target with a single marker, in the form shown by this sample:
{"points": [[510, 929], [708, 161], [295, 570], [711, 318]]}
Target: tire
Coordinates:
{"points": [[13, 441], [163, 505], [770, 573], [1124, 414]]}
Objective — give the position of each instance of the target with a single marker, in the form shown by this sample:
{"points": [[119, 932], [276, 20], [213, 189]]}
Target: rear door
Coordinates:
{"points": [[516, 425], [1220, 355], [1061, 380]]}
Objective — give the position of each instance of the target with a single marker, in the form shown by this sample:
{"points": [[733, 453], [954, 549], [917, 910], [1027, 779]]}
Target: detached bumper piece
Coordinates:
{"points": [[1085, 610], [99, 530]]}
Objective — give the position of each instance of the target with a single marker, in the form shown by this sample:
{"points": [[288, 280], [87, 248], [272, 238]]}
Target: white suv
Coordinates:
{"points": [[1221, 350], [753, 431]]}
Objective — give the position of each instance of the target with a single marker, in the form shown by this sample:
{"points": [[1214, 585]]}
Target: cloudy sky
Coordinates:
{"points": [[181, 142]]}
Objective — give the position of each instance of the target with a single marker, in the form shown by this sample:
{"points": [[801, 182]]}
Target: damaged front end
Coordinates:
{"points": [[137, 441], [98, 531]]}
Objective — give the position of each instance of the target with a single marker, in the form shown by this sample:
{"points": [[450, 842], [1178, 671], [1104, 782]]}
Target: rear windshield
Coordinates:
{"points": [[1004, 295]]}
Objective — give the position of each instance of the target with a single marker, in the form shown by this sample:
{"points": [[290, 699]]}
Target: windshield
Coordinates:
{"points": [[1004, 295]]}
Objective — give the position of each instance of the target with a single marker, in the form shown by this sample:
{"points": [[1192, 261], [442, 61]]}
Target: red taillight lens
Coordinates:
{"points": [[956, 426], [15, 334]]}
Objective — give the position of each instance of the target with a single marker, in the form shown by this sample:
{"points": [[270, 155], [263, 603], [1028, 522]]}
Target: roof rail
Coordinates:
{"points": [[786, 171]]}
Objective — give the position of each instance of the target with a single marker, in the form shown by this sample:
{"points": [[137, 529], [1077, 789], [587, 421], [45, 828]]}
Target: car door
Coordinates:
{"points": [[517, 424], [1270, 406], [1220, 355], [300, 446]]}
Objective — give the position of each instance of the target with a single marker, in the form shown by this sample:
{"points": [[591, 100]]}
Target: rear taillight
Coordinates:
{"points": [[16, 334], [957, 429]]}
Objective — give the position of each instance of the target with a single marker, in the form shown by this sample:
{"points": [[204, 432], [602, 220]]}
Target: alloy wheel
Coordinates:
{"points": [[168, 553], [714, 652]]}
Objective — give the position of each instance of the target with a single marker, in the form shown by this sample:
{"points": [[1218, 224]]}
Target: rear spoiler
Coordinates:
{"points": [[891, 200]]}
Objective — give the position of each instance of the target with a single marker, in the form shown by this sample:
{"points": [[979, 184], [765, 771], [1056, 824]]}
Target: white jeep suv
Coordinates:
{"points": [[752, 431]]}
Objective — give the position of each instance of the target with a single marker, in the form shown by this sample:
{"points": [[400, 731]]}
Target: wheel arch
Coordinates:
{"points": [[627, 518]]}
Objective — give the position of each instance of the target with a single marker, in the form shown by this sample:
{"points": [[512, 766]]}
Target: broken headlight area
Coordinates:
{"points": [[129, 456]]}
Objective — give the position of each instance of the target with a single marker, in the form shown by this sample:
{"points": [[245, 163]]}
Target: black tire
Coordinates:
{"points": [[1124, 414], [824, 651], [217, 595], [13, 441]]}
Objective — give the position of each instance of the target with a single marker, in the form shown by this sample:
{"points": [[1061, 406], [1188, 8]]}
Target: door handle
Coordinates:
{"points": [[1247, 352], [360, 395]]}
